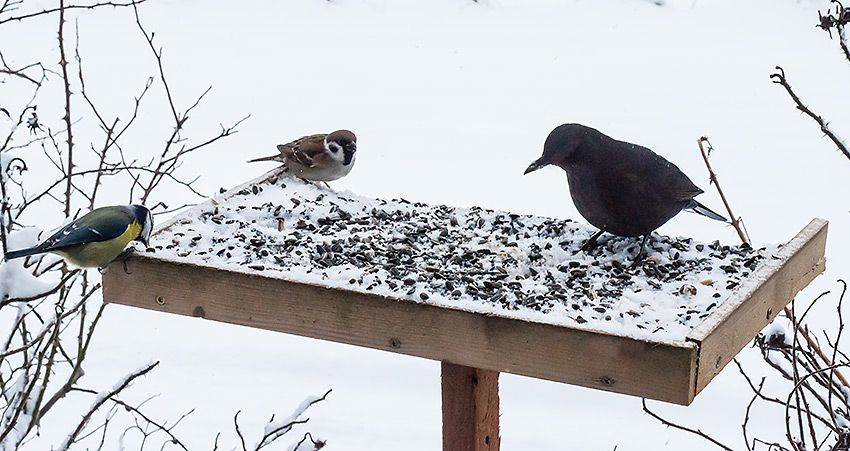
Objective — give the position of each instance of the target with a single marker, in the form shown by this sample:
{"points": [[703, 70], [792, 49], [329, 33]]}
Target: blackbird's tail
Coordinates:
{"points": [[697, 207], [22, 253]]}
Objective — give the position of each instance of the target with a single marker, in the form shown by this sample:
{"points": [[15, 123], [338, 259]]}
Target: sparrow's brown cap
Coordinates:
{"points": [[342, 137]]}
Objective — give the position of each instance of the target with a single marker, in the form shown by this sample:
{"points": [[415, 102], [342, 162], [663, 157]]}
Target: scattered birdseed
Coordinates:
{"points": [[487, 261]]}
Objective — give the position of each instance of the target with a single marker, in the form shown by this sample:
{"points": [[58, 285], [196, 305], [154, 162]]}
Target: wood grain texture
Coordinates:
{"points": [[748, 312], [654, 370], [470, 408]]}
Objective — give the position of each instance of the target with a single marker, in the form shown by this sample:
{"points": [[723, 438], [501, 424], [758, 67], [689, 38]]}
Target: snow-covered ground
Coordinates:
{"points": [[450, 101]]}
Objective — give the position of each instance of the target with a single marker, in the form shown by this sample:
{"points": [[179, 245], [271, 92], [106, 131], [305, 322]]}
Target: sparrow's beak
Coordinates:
{"points": [[535, 166]]}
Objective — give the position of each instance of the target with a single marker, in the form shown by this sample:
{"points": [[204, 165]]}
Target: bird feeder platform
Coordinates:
{"points": [[481, 291]]}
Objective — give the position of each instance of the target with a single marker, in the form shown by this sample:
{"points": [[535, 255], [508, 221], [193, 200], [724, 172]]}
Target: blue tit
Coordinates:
{"points": [[98, 237]]}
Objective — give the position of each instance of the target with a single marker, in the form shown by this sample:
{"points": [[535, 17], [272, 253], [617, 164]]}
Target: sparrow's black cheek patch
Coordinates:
{"points": [[334, 147]]}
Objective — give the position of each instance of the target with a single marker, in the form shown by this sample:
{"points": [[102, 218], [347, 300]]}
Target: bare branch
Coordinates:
{"points": [[835, 350], [99, 402], [757, 392], [684, 428], [800, 384], [63, 63], [62, 284], [837, 21], [810, 341], [238, 432], [136, 409], [736, 222], [779, 78], [60, 8]]}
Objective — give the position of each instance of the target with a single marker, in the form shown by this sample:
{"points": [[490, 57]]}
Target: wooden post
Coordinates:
{"points": [[470, 408]]}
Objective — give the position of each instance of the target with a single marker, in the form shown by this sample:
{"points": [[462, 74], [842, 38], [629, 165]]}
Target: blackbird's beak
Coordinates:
{"points": [[535, 166]]}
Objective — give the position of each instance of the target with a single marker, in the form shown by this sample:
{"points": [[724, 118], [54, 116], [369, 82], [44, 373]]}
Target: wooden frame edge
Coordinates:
{"points": [[720, 339]]}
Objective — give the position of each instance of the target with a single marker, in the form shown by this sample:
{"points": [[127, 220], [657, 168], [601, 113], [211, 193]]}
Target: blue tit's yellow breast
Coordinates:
{"points": [[98, 254], [132, 232]]}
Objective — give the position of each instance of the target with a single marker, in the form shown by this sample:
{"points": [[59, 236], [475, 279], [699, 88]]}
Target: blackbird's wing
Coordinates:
{"points": [[681, 188], [304, 151], [668, 182], [82, 231]]}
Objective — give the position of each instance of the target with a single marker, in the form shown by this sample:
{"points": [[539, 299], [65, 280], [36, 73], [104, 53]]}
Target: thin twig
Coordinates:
{"points": [[274, 434], [804, 331], [238, 432], [53, 10], [736, 222], [102, 399], [763, 397], [802, 380], [64, 390], [684, 428], [63, 62], [835, 347], [747, 412], [136, 409], [779, 78]]}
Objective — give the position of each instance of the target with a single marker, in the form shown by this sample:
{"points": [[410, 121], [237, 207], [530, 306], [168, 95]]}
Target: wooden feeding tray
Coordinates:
{"points": [[478, 289]]}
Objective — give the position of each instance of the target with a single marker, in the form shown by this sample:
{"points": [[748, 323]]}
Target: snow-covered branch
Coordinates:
{"points": [[101, 399], [275, 429]]}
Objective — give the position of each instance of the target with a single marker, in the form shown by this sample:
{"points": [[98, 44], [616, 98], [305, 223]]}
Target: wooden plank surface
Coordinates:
{"points": [[470, 408], [735, 323], [658, 371]]}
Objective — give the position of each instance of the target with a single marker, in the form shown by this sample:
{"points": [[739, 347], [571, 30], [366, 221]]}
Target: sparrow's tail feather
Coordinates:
{"points": [[269, 158], [22, 253], [697, 207]]}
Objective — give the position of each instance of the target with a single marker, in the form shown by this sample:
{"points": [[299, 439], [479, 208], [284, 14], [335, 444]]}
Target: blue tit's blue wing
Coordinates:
{"points": [[88, 229]]}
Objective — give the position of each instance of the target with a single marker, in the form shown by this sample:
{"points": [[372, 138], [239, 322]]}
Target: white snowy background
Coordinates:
{"points": [[450, 101]]}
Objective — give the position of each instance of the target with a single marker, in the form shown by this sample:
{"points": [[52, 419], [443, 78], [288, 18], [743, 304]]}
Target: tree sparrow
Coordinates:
{"points": [[318, 158]]}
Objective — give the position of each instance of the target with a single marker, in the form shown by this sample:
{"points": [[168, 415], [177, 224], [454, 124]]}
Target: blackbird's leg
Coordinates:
{"points": [[591, 243], [639, 257]]}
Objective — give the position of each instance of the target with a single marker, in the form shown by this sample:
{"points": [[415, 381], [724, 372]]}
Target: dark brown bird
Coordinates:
{"points": [[318, 158], [619, 187]]}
